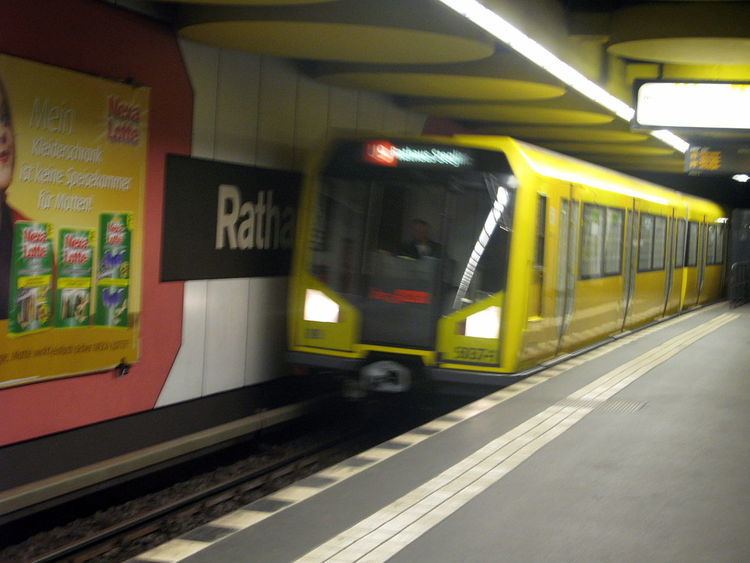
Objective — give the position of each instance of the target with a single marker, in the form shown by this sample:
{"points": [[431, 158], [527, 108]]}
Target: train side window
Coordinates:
{"points": [[541, 227], [660, 241], [692, 250], [646, 243], [679, 255], [719, 244], [615, 219], [592, 241], [711, 253]]}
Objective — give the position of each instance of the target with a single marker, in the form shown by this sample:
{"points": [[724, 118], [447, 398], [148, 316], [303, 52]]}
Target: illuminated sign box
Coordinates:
{"points": [[693, 105], [717, 160]]}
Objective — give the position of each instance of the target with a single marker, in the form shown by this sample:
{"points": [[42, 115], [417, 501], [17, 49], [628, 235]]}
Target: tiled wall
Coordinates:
{"points": [[262, 111]]}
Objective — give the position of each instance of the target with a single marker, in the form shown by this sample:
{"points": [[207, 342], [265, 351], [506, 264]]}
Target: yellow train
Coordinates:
{"points": [[473, 259]]}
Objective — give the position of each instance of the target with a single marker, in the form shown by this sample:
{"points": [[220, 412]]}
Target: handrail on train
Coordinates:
{"points": [[739, 283]]}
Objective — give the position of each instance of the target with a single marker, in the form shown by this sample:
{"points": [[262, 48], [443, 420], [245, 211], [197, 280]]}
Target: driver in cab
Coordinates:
{"points": [[420, 245]]}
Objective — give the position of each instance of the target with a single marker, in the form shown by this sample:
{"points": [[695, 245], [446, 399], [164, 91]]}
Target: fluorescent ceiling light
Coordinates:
{"points": [[741, 178], [536, 53], [694, 104]]}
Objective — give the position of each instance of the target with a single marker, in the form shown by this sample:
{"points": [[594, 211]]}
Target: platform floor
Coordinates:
{"points": [[637, 451]]}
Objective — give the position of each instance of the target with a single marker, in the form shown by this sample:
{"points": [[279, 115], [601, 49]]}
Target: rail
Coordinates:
{"points": [[739, 283]]}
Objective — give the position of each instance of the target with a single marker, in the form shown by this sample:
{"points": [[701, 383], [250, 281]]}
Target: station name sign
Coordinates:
{"points": [[225, 220]]}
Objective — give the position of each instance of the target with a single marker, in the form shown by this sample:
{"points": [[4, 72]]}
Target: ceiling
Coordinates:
{"points": [[434, 61]]}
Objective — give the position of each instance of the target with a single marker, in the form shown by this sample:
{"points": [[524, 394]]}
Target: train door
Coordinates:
{"points": [[691, 269], [702, 256], [541, 334], [668, 265], [675, 301], [673, 280], [630, 269], [568, 220], [649, 266]]}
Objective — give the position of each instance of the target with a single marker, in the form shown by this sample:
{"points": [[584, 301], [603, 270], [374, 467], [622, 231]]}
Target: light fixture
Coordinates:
{"points": [[708, 105], [484, 324], [741, 178], [320, 308], [524, 45]]}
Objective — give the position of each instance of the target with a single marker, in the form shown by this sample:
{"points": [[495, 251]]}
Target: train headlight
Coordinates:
{"points": [[320, 308], [484, 324]]}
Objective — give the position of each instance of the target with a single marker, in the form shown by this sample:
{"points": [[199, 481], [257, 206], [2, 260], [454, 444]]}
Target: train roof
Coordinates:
{"points": [[555, 165]]}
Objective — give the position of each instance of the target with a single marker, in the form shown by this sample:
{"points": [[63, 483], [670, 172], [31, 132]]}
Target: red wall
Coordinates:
{"points": [[93, 37]]}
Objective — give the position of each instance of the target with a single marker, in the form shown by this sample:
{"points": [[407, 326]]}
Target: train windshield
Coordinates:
{"points": [[409, 234]]}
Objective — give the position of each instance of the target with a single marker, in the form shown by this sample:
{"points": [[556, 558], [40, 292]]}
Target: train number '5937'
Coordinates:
{"points": [[475, 354]]}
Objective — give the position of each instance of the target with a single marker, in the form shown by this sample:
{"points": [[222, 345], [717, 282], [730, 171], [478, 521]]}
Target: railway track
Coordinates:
{"points": [[123, 530], [260, 481]]}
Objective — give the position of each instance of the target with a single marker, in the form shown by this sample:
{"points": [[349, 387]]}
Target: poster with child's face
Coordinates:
{"points": [[72, 174]]}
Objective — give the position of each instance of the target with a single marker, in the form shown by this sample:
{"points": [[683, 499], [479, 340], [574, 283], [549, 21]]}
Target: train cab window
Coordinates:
{"points": [[692, 246], [660, 241], [679, 255], [646, 243], [711, 251], [613, 242], [412, 239]]}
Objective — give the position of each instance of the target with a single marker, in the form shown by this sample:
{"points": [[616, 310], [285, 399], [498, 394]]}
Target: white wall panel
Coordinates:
{"points": [[278, 101], [342, 110], [185, 380], [226, 335], [395, 120], [236, 139], [278, 104], [237, 107], [311, 124], [203, 67], [415, 123], [266, 334], [370, 113]]}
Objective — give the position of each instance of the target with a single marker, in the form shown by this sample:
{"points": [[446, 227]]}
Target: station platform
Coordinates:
{"points": [[635, 451]]}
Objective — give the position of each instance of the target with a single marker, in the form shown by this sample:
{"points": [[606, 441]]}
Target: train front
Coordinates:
{"points": [[401, 263]]}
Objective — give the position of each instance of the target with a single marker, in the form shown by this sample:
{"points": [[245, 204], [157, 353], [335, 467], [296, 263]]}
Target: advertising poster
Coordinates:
{"points": [[72, 174]]}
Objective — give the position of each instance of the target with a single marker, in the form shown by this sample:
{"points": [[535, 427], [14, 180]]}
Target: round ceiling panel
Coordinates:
{"points": [[686, 50], [515, 114], [338, 42], [610, 148], [586, 134], [446, 85]]}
